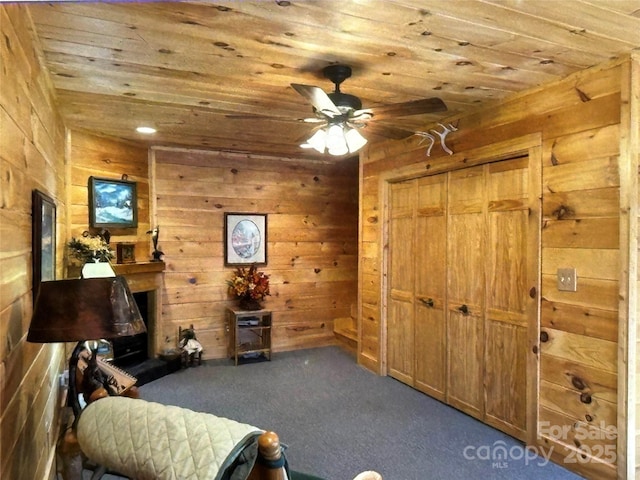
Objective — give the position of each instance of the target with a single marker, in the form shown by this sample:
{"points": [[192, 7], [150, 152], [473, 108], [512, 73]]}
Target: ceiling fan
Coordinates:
{"points": [[341, 115]]}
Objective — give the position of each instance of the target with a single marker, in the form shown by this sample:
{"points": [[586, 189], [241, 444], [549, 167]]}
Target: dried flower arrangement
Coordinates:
{"points": [[89, 248], [249, 285]]}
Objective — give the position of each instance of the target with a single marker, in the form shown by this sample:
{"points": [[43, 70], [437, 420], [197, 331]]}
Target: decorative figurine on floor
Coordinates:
{"points": [[157, 254], [191, 347]]}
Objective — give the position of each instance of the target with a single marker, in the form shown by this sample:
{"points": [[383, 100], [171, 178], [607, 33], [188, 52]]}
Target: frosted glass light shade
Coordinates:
{"points": [[355, 141], [336, 143], [317, 141]]}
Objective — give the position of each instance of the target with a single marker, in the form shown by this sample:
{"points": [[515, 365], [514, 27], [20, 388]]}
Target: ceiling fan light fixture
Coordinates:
{"points": [[336, 141], [345, 102], [317, 141], [344, 115], [355, 141]]}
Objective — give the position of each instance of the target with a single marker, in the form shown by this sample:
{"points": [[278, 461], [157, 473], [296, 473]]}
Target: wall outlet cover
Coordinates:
{"points": [[567, 280]]}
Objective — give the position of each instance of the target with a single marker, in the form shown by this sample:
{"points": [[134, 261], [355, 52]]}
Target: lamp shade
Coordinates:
{"points": [[84, 309]]}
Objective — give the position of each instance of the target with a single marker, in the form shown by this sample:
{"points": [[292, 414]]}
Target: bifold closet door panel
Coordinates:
{"points": [[430, 286], [465, 290], [400, 322], [459, 310], [506, 323]]}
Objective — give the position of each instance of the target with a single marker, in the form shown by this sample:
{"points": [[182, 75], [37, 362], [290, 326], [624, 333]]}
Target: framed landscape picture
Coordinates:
{"points": [[112, 203], [43, 212], [245, 239]]}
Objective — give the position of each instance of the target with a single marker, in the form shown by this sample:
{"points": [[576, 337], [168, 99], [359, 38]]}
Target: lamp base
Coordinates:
{"points": [[72, 394], [71, 456], [97, 270]]}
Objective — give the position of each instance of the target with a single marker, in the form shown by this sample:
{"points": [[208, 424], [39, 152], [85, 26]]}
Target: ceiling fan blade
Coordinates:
{"points": [[386, 131], [314, 120], [318, 98], [272, 118], [252, 116], [414, 107], [360, 116]]}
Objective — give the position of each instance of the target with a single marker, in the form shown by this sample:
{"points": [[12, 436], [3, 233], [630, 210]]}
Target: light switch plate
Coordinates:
{"points": [[567, 280]]}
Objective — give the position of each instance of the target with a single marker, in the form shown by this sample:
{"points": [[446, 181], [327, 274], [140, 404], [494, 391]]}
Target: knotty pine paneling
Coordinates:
{"points": [[578, 120], [312, 241], [32, 156], [630, 303], [91, 155], [468, 53]]}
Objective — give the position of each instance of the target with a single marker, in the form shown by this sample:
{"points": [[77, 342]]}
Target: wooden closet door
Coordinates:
{"points": [[507, 299], [400, 324], [465, 290], [430, 286]]}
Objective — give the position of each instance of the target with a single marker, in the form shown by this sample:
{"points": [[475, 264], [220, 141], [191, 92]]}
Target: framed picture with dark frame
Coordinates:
{"points": [[245, 239], [112, 203], [43, 212]]}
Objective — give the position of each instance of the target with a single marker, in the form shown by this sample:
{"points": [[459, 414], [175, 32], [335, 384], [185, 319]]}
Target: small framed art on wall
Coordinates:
{"points": [[245, 239]]}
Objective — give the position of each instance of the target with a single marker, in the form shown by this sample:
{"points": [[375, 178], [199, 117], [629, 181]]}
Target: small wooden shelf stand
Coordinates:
{"points": [[249, 333]]}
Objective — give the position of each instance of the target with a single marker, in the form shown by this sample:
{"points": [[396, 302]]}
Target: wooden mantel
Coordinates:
{"points": [[141, 276], [139, 267]]}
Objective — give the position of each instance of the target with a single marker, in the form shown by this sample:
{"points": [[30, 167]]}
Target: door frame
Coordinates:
{"points": [[530, 145]]}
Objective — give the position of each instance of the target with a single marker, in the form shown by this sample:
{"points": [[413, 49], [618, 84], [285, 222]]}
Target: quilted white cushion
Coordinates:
{"points": [[148, 441]]}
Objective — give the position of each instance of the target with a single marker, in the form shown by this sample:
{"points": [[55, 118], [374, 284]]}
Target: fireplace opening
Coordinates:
{"points": [[128, 351], [136, 354]]}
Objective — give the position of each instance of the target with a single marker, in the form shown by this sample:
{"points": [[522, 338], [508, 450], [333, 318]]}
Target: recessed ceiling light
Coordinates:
{"points": [[146, 130]]}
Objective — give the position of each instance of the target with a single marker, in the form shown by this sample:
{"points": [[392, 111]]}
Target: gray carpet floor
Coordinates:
{"points": [[339, 419]]}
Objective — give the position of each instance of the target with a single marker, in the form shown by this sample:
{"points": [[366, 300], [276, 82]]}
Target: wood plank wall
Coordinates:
{"points": [[312, 241], [579, 123], [32, 156], [92, 155], [630, 146]]}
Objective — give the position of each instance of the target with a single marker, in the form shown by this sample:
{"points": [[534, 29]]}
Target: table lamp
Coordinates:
{"points": [[83, 309]]}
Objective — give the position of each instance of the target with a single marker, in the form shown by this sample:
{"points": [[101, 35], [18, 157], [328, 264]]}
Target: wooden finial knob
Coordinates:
{"points": [[269, 446]]}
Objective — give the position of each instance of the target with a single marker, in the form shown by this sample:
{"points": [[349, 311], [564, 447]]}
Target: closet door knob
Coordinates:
{"points": [[464, 309]]}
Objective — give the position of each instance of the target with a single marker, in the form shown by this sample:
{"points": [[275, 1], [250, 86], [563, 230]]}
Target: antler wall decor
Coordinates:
{"points": [[446, 130], [426, 135]]}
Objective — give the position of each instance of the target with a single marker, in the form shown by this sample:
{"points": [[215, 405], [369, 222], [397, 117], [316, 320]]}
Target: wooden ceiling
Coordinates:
{"points": [[218, 74]]}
